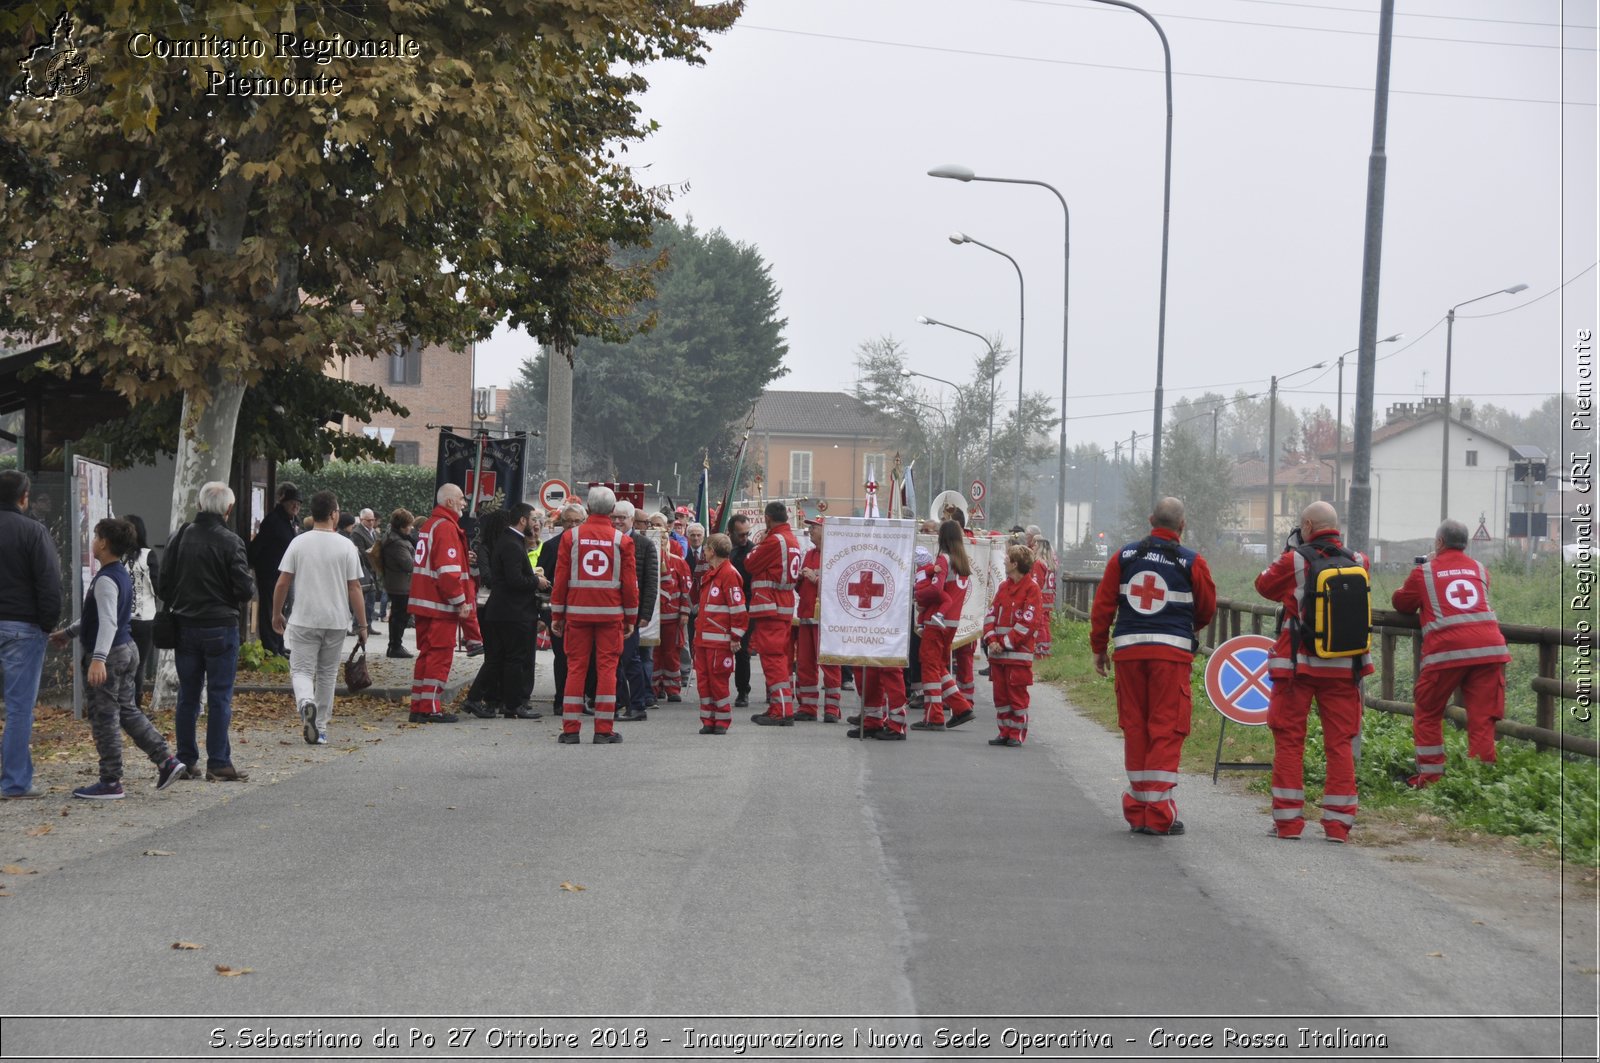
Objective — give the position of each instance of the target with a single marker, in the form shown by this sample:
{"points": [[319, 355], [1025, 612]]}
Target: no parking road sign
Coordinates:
{"points": [[1237, 680]]}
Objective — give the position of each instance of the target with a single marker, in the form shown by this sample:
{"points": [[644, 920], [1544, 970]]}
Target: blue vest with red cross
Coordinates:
{"points": [[1155, 602]]}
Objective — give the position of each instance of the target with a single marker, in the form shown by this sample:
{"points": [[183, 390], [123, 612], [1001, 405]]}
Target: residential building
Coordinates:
{"points": [[1294, 487], [433, 382], [818, 446]]}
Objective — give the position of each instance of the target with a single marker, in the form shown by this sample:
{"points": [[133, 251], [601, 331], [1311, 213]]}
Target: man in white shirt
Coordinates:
{"points": [[325, 572]]}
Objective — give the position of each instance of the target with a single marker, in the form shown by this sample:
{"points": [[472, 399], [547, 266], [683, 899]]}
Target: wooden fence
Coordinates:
{"points": [[1388, 629]]}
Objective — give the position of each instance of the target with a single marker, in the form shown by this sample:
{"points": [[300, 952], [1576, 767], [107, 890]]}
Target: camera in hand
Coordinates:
{"points": [[1420, 559]]}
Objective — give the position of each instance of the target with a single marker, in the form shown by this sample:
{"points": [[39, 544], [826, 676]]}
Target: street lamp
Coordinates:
{"points": [[989, 444], [965, 173], [1449, 332], [944, 449], [1022, 326], [1272, 447], [1338, 427]]}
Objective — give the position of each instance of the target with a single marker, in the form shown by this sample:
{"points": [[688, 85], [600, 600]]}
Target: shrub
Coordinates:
{"points": [[379, 487]]}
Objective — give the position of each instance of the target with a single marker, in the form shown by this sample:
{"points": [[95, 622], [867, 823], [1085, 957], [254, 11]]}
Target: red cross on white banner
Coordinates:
{"points": [[866, 590]]}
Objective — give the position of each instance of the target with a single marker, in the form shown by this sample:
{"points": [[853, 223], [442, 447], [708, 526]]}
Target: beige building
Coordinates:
{"points": [[817, 446]]}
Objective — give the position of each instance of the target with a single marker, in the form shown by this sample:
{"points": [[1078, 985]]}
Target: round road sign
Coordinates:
{"points": [[1237, 680], [977, 490], [553, 494]]}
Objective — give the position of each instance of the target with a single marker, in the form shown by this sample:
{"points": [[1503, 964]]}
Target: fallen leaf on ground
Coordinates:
{"points": [[232, 972], [5, 893], [18, 869], [572, 887], [1437, 955], [40, 831], [186, 945], [158, 852]]}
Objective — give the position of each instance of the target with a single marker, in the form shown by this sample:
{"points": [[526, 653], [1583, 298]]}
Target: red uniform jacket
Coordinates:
{"points": [[774, 567], [1108, 595], [808, 608], [1282, 582], [596, 579], [1458, 625], [439, 571], [1016, 616], [940, 594], [675, 579], [724, 618]]}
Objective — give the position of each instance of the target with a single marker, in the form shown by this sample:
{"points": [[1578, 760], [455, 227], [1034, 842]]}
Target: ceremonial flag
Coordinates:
{"points": [[726, 509], [869, 505], [908, 492], [703, 496], [866, 591]]}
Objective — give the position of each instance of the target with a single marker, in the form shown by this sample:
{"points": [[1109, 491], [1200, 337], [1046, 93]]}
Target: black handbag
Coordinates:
{"points": [[164, 628]]}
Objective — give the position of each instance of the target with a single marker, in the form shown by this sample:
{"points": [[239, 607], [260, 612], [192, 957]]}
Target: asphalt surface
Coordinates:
{"points": [[769, 880]]}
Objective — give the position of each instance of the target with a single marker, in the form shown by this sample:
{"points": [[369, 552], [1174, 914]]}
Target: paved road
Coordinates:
{"points": [[782, 873]]}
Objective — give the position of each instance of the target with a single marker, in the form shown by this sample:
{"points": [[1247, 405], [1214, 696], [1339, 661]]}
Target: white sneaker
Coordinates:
{"points": [[322, 738], [308, 716]]}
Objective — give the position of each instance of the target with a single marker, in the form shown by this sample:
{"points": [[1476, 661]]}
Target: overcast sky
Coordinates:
{"points": [[809, 131]]}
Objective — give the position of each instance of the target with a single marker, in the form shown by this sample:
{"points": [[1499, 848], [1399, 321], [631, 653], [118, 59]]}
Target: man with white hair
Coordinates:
{"points": [[593, 608], [438, 602]]}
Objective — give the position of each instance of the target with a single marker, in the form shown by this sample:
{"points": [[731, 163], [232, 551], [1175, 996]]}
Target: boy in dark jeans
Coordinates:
{"points": [[111, 661]]}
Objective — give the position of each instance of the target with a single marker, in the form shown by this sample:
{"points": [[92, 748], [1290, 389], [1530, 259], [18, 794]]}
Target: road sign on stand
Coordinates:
{"points": [[1240, 689], [976, 513], [977, 490], [553, 494]]}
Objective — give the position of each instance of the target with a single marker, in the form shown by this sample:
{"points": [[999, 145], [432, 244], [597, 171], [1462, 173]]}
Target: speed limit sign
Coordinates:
{"points": [[977, 490]]}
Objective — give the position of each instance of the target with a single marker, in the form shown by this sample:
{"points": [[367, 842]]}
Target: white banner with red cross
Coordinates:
{"points": [[865, 591]]}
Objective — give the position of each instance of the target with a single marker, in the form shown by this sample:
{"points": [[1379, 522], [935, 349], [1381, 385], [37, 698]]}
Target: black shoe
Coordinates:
{"points": [[434, 717], [708, 730], [1173, 831], [474, 649], [886, 735], [479, 709], [1010, 743], [568, 738], [633, 714], [983, 672], [924, 725], [762, 719], [1140, 830], [673, 699], [831, 718], [607, 740], [522, 712], [742, 701], [854, 732], [856, 719], [960, 718], [402, 652]]}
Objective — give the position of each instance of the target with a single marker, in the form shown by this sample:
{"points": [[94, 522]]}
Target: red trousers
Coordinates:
{"points": [[436, 649], [713, 666], [1339, 706], [961, 666], [666, 659], [1011, 681], [883, 699], [470, 631], [1153, 710], [1483, 691], [601, 643], [939, 689], [818, 686], [769, 639]]}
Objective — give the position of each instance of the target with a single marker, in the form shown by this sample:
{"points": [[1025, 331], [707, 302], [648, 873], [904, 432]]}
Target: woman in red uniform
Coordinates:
{"points": [[1010, 633], [941, 592]]}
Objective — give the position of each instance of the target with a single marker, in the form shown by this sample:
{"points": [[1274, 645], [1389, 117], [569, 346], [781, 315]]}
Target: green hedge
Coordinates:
{"points": [[361, 485]]}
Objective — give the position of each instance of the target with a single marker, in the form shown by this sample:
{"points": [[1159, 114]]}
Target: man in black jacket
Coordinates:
{"points": [[272, 539], [631, 675], [510, 619], [30, 605], [739, 532], [206, 582]]}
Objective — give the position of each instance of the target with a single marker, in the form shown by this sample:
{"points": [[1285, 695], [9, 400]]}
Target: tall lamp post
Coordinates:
{"points": [[1022, 327], [944, 449], [1338, 428], [1272, 447], [965, 173], [988, 446], [1449, 333], [1166, 225]]}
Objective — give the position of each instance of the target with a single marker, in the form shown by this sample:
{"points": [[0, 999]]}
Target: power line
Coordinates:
{"points": [[1319, 29], [1145, 70], [1413, 14]]}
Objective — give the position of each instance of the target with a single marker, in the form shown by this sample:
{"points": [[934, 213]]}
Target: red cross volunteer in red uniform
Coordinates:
{"points": [[438, 603], [941, 592], [719, 627], [1159, 594], [816, 685], [1462, 647], [1010, 633], [774, 568], [592, 609], [1298, 676]]}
